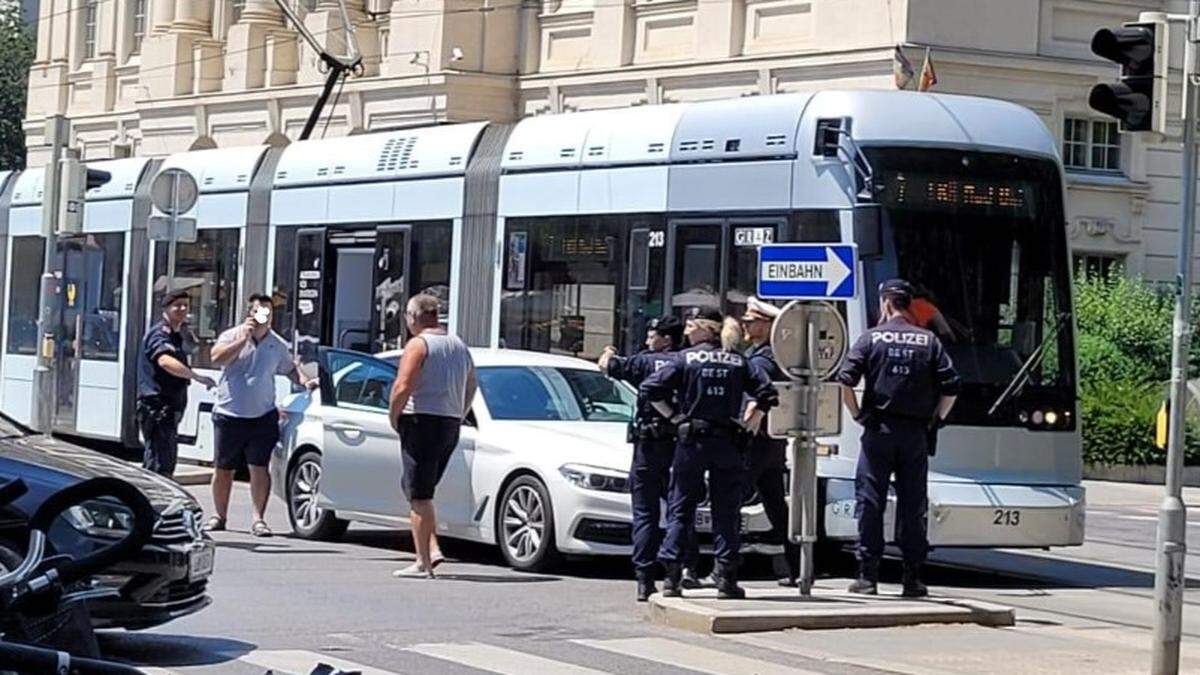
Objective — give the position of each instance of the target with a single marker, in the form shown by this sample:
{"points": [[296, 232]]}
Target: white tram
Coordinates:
{"points": [[564, 233]]}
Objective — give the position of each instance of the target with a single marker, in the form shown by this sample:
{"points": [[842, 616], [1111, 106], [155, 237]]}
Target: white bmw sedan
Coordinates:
{"points": [[541, 468]]}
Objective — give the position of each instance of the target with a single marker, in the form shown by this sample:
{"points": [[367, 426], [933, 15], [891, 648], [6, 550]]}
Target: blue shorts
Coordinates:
{"points": [[248, 440]]}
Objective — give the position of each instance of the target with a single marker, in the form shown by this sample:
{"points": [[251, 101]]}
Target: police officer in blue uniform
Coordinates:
{"points": [[701, 392], [910, 387], [766, 459], [653, 441]]}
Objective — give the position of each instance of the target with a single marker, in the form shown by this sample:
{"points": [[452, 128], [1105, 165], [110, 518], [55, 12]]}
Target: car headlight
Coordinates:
{"points": [[595, 478], [100, 519]]}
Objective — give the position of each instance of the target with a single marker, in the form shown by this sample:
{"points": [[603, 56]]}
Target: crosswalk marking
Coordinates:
{"points": [[498, 659], [890, 665], [300, 662], [681, 655]]}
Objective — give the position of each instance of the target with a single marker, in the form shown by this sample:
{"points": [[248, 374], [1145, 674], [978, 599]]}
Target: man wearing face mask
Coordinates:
{"points": [[245, 419]]}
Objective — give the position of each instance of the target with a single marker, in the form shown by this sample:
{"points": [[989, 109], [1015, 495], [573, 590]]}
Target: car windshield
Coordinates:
{"points": [[554, 394]]}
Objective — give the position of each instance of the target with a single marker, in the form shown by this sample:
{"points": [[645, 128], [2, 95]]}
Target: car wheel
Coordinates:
{"points": [[525, 526], [310, 521]]}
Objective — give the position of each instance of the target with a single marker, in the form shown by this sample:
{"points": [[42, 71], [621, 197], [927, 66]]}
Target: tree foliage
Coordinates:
{"points": [[16, 56], [1124, 348]]}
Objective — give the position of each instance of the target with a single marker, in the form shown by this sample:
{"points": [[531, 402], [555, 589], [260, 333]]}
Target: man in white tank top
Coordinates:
{"points": [[432, 395]]}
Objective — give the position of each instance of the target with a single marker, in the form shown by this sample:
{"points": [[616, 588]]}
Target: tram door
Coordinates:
{"points": [[87, 320], [714, 262], [351, 288]]}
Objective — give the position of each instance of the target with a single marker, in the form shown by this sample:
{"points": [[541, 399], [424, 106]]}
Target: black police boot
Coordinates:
{"points": [[673, 582], [913, 587], [727, 585], [868, 578], [645, 586]]}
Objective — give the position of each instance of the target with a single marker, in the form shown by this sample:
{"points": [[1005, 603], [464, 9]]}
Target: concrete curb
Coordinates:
{"points": [[770, 610], [1151, 474]]}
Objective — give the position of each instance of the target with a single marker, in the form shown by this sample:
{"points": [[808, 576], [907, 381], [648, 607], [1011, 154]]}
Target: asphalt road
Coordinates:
{"points": [[286, 604]]}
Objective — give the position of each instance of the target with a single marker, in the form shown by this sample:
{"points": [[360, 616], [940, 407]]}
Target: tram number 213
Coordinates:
{"points": [[1006, 517]]}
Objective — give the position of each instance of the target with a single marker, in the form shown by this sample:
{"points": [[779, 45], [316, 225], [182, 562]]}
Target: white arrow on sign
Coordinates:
{"points": [[831, 271]]}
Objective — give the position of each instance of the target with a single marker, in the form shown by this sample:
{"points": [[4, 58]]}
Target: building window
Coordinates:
{"points": [[137, 25], [1098, 265], [90, 10], [1091, 145]]}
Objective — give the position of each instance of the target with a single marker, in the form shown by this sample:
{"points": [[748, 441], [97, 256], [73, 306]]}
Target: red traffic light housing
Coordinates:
{"points": [[1138, 100]]}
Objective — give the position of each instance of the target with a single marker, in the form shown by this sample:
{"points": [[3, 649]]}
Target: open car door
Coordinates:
{"points": [[362, 453]]}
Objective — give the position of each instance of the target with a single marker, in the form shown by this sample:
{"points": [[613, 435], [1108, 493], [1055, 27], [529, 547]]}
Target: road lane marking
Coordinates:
{"points": [[775, 643], [683, 655], [498, 659], [300, 662]]}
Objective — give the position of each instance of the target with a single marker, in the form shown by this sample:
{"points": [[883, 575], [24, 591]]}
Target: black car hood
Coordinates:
{"points": [[45, 456]]}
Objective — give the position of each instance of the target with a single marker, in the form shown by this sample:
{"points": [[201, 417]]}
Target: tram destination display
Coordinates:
{"points": [[906, 189]]}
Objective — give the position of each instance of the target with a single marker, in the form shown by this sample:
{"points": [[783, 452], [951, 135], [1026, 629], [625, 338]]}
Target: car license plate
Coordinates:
{"points": [[201, 561], [704, 521]]}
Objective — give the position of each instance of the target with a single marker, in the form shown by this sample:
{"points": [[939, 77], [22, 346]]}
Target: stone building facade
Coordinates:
{"points": [[153, 77]]}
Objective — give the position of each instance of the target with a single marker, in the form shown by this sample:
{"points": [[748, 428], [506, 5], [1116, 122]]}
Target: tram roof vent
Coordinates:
{"points": [[689, 146], [456, 160], [567, 153], [656, 147], [516, 155], [339, 169], [776, 140], [595, 151]]}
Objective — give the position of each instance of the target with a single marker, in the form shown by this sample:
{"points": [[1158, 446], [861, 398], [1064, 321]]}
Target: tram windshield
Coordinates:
{"points": [[982, 237]]}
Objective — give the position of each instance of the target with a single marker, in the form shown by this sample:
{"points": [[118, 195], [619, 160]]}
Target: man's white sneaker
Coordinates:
{"points": [[413, 571]]}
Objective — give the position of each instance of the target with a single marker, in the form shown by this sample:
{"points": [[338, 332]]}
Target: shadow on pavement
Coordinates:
{"points": [[273, 549], [166, 651], [515, 578]]}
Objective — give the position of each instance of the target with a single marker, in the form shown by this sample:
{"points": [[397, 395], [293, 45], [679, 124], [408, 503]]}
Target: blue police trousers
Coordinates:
{"points": [[893, 445], [649, 477], [720, 458]]}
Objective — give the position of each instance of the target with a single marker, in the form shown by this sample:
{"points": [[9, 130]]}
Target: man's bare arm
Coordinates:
{"points": [[850, 400]]}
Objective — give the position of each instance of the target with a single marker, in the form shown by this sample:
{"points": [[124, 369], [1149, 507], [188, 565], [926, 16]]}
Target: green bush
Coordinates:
{"points": [[1118, 422], [1124, 349]]}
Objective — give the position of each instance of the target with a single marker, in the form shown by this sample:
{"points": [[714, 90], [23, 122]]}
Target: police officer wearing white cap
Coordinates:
{"points": [[767, 457]]}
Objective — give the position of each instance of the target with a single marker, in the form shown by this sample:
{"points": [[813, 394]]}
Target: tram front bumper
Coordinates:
{"points": [[977, 514]]}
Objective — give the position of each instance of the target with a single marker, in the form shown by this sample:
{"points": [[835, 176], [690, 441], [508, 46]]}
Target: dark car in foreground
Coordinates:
{"points": [[167, 580]]}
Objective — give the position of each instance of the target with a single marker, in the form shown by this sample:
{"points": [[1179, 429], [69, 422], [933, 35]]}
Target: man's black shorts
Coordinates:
{"points": [[426, 443], [248, 439]]}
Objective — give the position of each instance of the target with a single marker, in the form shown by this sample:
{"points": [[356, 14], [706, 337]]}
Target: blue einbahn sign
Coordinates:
{"points": [[808, 271]]}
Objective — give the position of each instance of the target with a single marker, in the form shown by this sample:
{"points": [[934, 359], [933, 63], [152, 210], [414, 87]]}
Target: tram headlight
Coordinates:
{"points": [[1051, 418], [1038, 417]]}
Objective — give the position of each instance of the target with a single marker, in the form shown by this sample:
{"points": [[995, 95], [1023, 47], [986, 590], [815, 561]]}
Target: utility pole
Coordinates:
{"points": [[1171, 543], [58, 130]]}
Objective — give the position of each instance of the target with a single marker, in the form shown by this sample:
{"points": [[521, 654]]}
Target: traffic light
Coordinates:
{"points": [[77, 179], [1139, 99]]}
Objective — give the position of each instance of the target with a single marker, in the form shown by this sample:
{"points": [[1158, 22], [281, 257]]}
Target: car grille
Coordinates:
{"points": [[180, 592], [179, 527]]}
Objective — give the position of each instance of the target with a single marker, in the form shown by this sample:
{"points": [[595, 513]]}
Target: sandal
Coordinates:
{"points": [[260, 529], [215, 524]]}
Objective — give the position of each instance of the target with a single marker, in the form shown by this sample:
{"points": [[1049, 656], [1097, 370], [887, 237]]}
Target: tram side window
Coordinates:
{"points": [[104, 265], [429, 260], [823, 225], [207, 270], [28, 256], [562, 281], [283, 286]]}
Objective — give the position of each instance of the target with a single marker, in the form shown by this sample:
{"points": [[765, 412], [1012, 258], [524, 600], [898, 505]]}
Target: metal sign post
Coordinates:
{"points": [[58, 130], [174, 192], [809, 341]]}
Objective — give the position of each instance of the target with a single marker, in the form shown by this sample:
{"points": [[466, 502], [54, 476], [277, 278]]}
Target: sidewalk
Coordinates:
{"points": [[770, 608]]}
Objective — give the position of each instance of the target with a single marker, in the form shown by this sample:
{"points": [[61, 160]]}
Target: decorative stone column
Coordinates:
{"points": [[179, 56], [262, 51], [325, 23]]}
